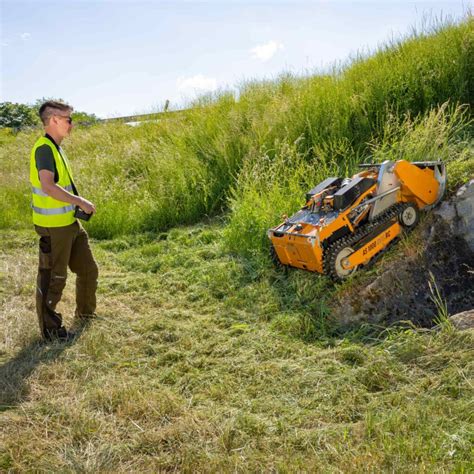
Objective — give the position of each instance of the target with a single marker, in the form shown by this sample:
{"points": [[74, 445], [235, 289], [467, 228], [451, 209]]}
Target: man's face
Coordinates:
{"points": [[62, 123]]}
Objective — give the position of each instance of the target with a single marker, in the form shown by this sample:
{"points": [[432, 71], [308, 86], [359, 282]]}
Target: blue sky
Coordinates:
{"points": [[115, 57]]}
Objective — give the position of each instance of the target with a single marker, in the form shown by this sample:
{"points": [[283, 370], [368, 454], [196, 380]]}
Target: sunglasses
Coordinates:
{"points": [[68, 119]]}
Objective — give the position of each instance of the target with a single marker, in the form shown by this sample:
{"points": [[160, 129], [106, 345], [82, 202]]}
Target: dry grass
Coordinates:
{"points": [[197, 364]]}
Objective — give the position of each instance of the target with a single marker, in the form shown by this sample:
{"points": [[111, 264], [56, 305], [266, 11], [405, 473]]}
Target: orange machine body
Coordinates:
{"points": [[417, 185], [302, 248], [305, 240]]}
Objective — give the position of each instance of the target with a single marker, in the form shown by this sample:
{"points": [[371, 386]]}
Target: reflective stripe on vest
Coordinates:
{"points": [[40, 192], [53, 211]]}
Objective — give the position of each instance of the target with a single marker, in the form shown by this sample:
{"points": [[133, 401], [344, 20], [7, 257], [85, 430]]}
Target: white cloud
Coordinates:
{"points": [[198, 82], [266, 51], [25, 36], [3, 43]]}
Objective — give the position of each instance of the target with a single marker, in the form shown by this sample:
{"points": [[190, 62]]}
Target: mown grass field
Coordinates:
{"points": [[197, 364], [203, 357]]}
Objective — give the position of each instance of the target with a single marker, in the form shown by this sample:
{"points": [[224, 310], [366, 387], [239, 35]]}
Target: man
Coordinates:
{"points": [[63, 241]]}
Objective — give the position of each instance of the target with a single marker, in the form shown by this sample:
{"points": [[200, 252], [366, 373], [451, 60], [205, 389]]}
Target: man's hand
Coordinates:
{"points": [[57, 192], [86, 205]]}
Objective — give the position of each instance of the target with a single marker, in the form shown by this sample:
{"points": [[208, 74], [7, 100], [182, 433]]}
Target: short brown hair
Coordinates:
{"points": [[49, 108]]}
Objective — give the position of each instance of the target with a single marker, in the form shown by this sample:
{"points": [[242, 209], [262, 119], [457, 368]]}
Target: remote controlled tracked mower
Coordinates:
{"points": [[347, 223]]}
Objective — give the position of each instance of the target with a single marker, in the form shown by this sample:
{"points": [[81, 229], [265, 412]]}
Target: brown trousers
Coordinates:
{"points": [[60, 247]]}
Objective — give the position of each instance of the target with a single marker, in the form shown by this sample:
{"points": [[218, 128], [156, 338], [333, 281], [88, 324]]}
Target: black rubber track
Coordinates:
{"points": [[330, 253]]}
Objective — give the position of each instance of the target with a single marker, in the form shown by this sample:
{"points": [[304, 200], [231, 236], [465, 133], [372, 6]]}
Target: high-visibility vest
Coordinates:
{"points": [[47, 211]]}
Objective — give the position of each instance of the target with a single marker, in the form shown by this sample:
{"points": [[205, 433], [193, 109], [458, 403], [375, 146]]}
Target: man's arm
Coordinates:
{"points": [[49, 187]]}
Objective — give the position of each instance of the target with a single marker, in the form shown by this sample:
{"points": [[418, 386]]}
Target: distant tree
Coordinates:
{"points": [[14, 115], [84, 117], [17, 116]]}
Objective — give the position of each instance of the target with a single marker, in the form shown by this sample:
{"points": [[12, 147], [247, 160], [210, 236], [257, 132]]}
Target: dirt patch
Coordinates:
{"points": [[402, 291]]}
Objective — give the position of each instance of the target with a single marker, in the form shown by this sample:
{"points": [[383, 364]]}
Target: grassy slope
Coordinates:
{"points": [[197, 364], [174, 172]]}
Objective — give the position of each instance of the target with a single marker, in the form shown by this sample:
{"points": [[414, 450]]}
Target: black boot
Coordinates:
{"points": [[59, 334]]}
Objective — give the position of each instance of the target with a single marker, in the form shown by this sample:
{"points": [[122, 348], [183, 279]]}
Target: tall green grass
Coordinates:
{"points": [[267, 189], [195, 163]]}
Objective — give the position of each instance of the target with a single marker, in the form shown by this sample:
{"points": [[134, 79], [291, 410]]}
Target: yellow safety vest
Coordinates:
{"points": [[47, 211]]}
